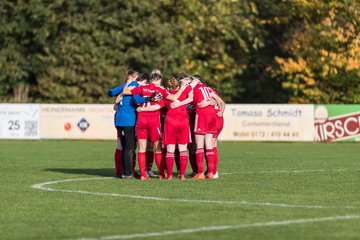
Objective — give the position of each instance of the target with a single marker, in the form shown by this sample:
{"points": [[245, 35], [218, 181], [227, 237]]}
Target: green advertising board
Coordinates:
{"points": [[337, 122]]}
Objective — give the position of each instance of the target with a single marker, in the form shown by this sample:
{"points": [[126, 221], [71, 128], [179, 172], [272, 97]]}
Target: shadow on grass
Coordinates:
{"points": [[103, 172]]}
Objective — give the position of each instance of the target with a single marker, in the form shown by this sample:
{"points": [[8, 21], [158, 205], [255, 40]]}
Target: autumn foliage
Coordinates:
{"points": [[259, 51]]}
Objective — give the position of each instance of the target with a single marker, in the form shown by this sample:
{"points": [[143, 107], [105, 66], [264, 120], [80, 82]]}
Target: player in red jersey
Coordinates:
{"points": [[150, 155], [148, 122], [176, 129], [185, 79], [219, 109], [191, 146], [204, 129]]}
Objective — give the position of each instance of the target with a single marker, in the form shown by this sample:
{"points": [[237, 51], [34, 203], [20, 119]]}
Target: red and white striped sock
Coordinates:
{"points": [[142, 163], [210, 157], [170, 163], [183, 162], [200, 160], [159, 163]]}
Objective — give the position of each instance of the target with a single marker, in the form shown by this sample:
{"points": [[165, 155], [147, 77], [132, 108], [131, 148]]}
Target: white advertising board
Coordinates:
{"points": [[268, 122], [19, 121], [77, 121]]}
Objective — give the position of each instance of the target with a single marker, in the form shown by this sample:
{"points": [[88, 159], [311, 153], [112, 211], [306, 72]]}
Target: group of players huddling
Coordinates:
{"points": [[183, 116]]}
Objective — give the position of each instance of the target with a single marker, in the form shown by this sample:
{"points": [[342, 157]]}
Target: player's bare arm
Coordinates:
{"points": [[220, 103], [127, 89], [174, 97], [116, 107], [151, 108], [206, 103], [189, 99], [118, 98]]}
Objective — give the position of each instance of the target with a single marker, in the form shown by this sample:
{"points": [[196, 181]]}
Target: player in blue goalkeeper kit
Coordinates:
{"points": [[125, 121]]}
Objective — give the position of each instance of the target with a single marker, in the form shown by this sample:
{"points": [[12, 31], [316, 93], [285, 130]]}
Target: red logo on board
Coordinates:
{"points": [[67, 126]]}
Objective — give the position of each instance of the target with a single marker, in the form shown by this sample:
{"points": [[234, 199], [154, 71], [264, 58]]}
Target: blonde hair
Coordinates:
{"points": [[157, 71]]}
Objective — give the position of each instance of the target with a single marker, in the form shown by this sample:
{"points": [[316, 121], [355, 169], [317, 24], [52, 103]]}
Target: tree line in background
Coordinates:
{"points": [[251, 51]]}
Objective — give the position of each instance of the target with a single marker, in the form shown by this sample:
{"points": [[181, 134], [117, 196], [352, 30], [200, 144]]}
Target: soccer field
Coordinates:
{"points": [[65, 190]]}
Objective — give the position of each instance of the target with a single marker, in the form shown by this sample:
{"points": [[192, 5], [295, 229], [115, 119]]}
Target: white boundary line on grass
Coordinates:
{"points": [[42, 186], [290, 171], [224, 227]]}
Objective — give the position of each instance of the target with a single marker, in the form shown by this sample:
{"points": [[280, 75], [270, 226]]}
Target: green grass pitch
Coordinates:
{"points": [[265, 191]]}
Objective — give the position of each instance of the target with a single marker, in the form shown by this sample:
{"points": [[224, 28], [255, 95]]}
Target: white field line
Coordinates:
{"points": [[290, 171], [224, 227], [42, 186]]}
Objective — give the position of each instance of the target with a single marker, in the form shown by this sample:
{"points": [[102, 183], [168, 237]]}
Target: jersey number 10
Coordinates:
{"points": [[206, 93]]}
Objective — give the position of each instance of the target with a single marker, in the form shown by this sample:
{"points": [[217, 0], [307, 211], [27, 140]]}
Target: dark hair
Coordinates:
{"points": [[155, 76], [199, 77], [155, 71], [129, 73], [182, 75], [143, 77]]}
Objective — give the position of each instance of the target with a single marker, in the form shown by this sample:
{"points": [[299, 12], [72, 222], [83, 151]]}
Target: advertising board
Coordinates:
{"points": [[337, 122], [268, 122], [19, 121], [77, 121]]}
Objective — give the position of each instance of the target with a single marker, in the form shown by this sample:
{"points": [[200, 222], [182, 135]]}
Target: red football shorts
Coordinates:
{"points": [[176, 131], [148, 127], [219, 126], [205, 123]]}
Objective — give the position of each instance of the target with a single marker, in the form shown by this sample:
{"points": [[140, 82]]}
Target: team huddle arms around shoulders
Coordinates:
{"points": [[172, 121]]}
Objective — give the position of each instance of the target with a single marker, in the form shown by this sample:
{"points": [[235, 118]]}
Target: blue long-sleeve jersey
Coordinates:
{"points": [[125, 116]]}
